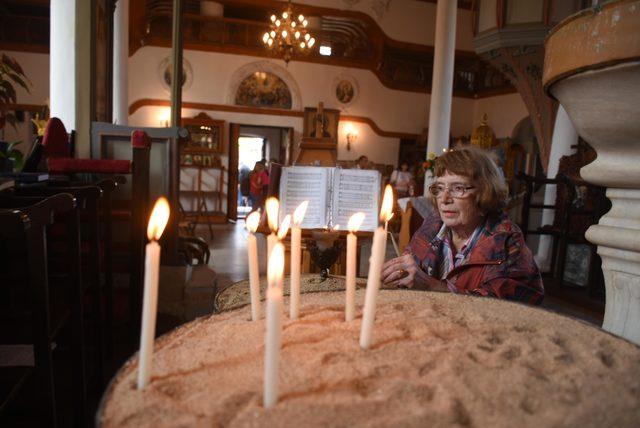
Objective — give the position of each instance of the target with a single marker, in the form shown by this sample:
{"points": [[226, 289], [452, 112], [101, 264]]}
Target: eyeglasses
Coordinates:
{"points": [[456, 190]]}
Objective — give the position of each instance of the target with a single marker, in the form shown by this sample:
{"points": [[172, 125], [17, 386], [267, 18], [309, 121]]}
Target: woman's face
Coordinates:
{"points": [[457, 213], [404, 166]]}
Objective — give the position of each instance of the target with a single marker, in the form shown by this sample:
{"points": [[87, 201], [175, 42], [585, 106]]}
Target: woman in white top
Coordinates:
{"points": [[402, 180]]}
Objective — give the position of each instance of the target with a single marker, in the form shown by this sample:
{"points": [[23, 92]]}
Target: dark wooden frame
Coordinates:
{"points": [[105, 134], [206, 120]]}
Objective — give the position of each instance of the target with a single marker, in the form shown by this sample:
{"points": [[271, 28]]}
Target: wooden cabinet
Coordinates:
{"points": [[203, 178]]}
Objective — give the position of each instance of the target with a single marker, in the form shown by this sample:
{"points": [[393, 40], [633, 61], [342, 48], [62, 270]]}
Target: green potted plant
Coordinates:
{"points": [[10, 158], [11, 75]]}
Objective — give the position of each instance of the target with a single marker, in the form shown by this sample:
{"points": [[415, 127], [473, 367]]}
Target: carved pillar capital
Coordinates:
{"points": [[522, 65]]}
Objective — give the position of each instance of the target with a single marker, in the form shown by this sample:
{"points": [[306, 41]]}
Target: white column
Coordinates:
{"points": [[564, 136], [62, 61], [120, 63], [442, 83]]}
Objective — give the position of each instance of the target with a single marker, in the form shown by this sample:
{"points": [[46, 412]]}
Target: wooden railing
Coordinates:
{"points": [[23, 32], [400, 66]]}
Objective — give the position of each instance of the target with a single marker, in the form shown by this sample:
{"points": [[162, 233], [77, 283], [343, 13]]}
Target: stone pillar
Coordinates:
{"points": [[442, 83], [121, 63], [62, 65], [591, 66], [176, 61], [564, 136]]}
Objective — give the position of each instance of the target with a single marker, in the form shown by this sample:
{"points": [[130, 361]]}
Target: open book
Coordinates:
{"points": [[334, 195]]}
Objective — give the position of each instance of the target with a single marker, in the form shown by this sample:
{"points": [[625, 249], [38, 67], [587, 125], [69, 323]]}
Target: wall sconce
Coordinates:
{"points": [[164, 117], [352, 135]]}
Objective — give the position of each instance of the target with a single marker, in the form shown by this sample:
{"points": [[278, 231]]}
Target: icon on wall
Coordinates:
{"points": [[165, 71], [345, 89]]}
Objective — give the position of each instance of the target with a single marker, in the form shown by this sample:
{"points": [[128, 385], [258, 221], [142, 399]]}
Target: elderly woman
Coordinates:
{"points": [[469, 246]]}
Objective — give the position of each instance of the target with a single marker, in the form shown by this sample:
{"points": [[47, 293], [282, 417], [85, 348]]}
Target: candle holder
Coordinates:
{"points": [[325, 248]]}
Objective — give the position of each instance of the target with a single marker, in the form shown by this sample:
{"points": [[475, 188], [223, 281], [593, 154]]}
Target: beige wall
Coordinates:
{"points": [[504, 112], [391, 110]]}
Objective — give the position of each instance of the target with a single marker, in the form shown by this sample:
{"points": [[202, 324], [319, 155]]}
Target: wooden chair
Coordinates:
{"points": [[87, 223], [137, 214], [26, 221], [569, 226], [531, 185]]}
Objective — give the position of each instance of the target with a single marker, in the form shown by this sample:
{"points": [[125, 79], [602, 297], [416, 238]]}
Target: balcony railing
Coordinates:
{"points": [[404, 68]]}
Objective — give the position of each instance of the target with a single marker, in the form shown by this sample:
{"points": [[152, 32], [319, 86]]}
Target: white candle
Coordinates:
{"points": [[352, 248], [273, 336], [378, 250], [254, 274], [272, 239], [157, 223], [296, 260], [272, 206]]}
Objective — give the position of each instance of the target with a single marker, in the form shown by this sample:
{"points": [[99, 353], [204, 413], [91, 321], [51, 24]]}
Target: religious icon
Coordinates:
{"points": [[321, 122], [345, 91], [345, 88]]}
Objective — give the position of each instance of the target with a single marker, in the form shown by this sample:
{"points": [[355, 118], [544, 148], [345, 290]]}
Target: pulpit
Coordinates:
{"points": [[319, 145]]}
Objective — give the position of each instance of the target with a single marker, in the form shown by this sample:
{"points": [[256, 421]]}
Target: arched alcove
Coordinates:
{"points": [[272, 77]]}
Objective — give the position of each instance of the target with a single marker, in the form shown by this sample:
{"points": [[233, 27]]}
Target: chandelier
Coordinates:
{"points": [[287, 34]]}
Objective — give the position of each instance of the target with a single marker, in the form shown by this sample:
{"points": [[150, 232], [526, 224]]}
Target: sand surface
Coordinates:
{"points": [[437, 360]]}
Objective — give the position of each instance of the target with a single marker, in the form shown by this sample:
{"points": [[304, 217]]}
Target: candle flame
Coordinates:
{"points": [[252, 221], [386, 211], [276, 263], [284, 227], [272, 206], [298, 214], [355, 221], [158, 219]]}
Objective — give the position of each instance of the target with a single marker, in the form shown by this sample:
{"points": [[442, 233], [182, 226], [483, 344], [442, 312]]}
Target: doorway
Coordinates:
{"points": [[249, 144]]}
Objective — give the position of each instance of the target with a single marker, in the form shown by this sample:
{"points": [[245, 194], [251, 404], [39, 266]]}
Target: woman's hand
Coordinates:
{"points": [[403, 272]]}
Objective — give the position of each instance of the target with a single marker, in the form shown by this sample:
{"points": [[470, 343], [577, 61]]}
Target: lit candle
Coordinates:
{"points": [[157, 223], [274, 325], [272, 206], [375, 266], [296, 260], [352, 248], [254, 274], [284, 227]]}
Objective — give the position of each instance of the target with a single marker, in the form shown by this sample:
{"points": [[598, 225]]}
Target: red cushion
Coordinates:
{"points": [[97, 166], [56, 139], [140, 140]]}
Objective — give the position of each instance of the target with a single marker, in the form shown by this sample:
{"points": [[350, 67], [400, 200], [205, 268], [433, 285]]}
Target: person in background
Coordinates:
{"points": [[265, 178], [244, 185], [362, 162], [468, 245], [257, 181], [402, 180]]}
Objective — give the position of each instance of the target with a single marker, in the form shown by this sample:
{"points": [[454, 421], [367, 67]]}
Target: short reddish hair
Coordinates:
{"points": [[482, 171]]}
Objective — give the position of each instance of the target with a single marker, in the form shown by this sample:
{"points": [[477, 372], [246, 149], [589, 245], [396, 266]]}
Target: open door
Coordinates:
{"points": [[288, 144], [232, 191]]}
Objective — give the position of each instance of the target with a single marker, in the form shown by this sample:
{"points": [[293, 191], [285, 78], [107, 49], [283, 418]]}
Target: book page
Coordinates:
{"points": [[356, 190], [305, 183]]}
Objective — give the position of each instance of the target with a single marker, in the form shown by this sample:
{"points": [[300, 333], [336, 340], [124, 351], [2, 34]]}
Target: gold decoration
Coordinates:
{"points": [[483, 135], [288, 34], [40, 124]]}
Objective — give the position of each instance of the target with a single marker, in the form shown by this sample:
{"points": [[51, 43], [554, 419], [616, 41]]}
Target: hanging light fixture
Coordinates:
{"points": [[288, 34]]}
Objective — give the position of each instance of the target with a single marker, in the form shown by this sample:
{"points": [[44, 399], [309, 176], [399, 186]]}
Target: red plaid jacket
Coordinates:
{"points": [[500, 264]]}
